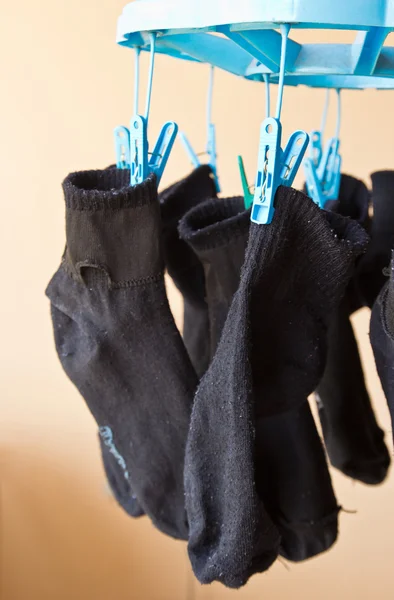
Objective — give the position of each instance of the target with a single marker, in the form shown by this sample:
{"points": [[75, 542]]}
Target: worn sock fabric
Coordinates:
{"points": [[231, 537], [371, 272], [353, 439], [217, 233], [382, 339], [117, 340], [269, 358], [353, 200], [183, 265], [188, 275]]}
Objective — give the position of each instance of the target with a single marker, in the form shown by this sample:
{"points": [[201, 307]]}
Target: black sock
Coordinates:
{"points": [[217, 233], [116, 479], [183, 265], [382, 339], [229, 393], [353, 439], [371, 276], [353, 200], [188, 274], [117, 340]]}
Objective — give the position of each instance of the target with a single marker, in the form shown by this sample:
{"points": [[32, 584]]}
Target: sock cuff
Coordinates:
{"points": [[113, 230], [214, 223], [107, 189], [182, 196], [383, 202], [382, 180], [326, 243], [353, 200]]}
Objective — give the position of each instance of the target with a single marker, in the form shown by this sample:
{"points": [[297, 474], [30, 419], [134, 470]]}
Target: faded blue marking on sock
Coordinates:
{"points": [[108, 439]]}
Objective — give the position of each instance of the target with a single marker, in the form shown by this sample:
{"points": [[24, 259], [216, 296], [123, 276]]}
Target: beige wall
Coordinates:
{"points": [[65, 85]]}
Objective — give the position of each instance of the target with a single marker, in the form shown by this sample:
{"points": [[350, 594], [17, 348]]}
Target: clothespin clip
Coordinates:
{"points": [[212, 155], [268, 170], [131, 145], [276, 167], [329, 172], [248, 196], [315, 148], [162, 149], [327, 188], [313, 184], [138, 150], [211, 139], [292, 156], [122, 147], [333, 189], [323, 179], [189, 150], [140, 163]]}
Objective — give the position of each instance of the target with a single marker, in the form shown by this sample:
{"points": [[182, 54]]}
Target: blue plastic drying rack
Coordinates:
{"points": [[250, 38], [241, 37]]}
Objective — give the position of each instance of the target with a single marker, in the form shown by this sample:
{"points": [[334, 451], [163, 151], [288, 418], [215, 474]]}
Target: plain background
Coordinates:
{"points": [[65, 85]]}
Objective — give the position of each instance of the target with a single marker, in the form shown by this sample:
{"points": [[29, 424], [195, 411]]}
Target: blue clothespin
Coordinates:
{"points": [[313, 185], [323, 180], [334, 180], [292, 157], [138, 150], [134, 153], [140, 163], [276, 167], [122, 147], [162, 149], [327, 169], [121, 133], [316, 146], [211, 139]]}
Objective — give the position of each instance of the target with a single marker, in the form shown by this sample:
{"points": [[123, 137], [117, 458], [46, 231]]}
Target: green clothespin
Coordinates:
{"points": [[248, 196]]}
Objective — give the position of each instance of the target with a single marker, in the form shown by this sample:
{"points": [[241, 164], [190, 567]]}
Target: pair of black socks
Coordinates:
{"points": [[250, 411], [353, 439], [118, 343]]}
